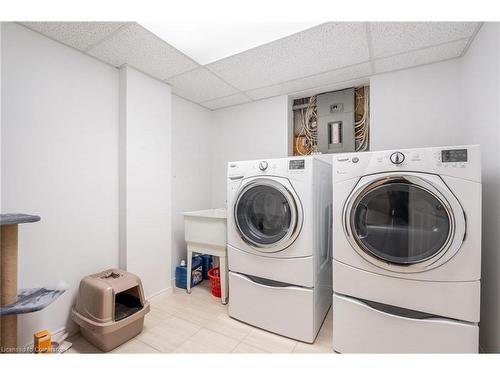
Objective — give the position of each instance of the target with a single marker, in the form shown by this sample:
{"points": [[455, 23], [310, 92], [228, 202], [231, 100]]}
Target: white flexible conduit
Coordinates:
{"points": [[362, 127], [308, 116]]}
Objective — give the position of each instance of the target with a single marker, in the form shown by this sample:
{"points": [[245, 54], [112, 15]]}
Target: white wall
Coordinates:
{"points": [[481, 124], [145, 179], [1, 210], [416, 107], [59, 161], [192, 128], [244, 132]]}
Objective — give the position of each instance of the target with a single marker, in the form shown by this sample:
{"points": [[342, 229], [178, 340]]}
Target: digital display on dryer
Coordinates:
{"points": [[454, 156], [297, 164]]}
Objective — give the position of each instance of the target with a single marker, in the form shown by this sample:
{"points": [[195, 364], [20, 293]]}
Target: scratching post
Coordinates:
{"points": [[8, 284], [8, 276]]}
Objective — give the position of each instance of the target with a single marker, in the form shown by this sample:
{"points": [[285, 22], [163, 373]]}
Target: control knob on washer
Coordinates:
{"points": [[263, 165], [397, 157]]}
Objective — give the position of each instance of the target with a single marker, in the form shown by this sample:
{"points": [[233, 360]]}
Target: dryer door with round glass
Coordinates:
{"points": [[403, 220], [267, 215]]}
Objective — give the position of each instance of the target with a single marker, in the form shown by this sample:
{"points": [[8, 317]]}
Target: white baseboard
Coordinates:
{"points": [[165, 291]]}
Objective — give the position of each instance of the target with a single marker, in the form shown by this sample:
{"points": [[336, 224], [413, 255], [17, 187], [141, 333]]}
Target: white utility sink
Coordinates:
{"points": [[205, 233], [206, 228]]}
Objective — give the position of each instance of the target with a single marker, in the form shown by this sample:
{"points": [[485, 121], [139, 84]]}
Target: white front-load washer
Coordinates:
{"points": [[279, 244], [407, 250]]}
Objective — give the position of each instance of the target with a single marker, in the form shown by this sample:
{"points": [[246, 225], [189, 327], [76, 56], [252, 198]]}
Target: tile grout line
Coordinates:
{"points": [[238, 341], [137, 339], [241, 341], [227, 336], [252, 346], [261, 330], [183, 342]]}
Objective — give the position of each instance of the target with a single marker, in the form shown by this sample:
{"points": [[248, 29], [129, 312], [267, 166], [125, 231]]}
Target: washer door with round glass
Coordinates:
{"points": [[268, 215], [403, 222]]}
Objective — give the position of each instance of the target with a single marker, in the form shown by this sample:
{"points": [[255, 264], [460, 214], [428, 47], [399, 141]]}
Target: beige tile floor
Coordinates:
{"points": [[198, 323]]}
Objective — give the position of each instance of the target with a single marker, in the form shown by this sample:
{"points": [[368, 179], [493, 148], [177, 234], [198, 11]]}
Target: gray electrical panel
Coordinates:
{"points": [[336, 121]]}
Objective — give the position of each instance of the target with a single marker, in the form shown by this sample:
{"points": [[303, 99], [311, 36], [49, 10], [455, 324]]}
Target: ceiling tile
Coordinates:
{"points": [[420, 57], [80, 35], [320, 49], [315, 81], [200, 85], [136, 46], [389, 38], [226, 101]]}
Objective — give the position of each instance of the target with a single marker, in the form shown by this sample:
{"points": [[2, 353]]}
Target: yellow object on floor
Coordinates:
{"points": [[42, 342]]}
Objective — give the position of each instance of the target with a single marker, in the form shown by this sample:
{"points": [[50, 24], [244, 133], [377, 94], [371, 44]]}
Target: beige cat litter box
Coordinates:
{"points": [[110, 308]]}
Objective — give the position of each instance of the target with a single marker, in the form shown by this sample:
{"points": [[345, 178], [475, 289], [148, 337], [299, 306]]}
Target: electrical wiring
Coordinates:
{"points": [[361, 127], [306, 123], [308, 118]]}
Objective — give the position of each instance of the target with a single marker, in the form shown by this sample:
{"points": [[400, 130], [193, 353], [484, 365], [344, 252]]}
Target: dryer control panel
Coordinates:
{"points": [[459, 161]]}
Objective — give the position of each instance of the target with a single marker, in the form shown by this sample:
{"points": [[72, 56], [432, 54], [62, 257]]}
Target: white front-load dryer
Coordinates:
{"points": [[279, 244], [407, 250]]}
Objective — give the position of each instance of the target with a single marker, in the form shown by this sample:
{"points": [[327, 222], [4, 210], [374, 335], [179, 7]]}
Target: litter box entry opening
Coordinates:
{"points": [[127, 303]]}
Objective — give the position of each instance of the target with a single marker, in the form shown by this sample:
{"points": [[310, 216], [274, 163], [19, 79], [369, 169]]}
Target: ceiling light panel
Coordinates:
{"points": [[80, 35], [200, 85], [136, 46], [320, 49], [389, 38], [209, 41]]}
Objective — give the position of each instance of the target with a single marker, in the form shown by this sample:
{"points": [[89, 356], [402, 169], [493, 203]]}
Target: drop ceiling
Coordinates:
{"points": [[206, 42], [324, 55]]}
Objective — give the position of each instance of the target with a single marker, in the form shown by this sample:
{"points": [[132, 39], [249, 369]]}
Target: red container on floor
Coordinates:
{"points": [[214, 276]]}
